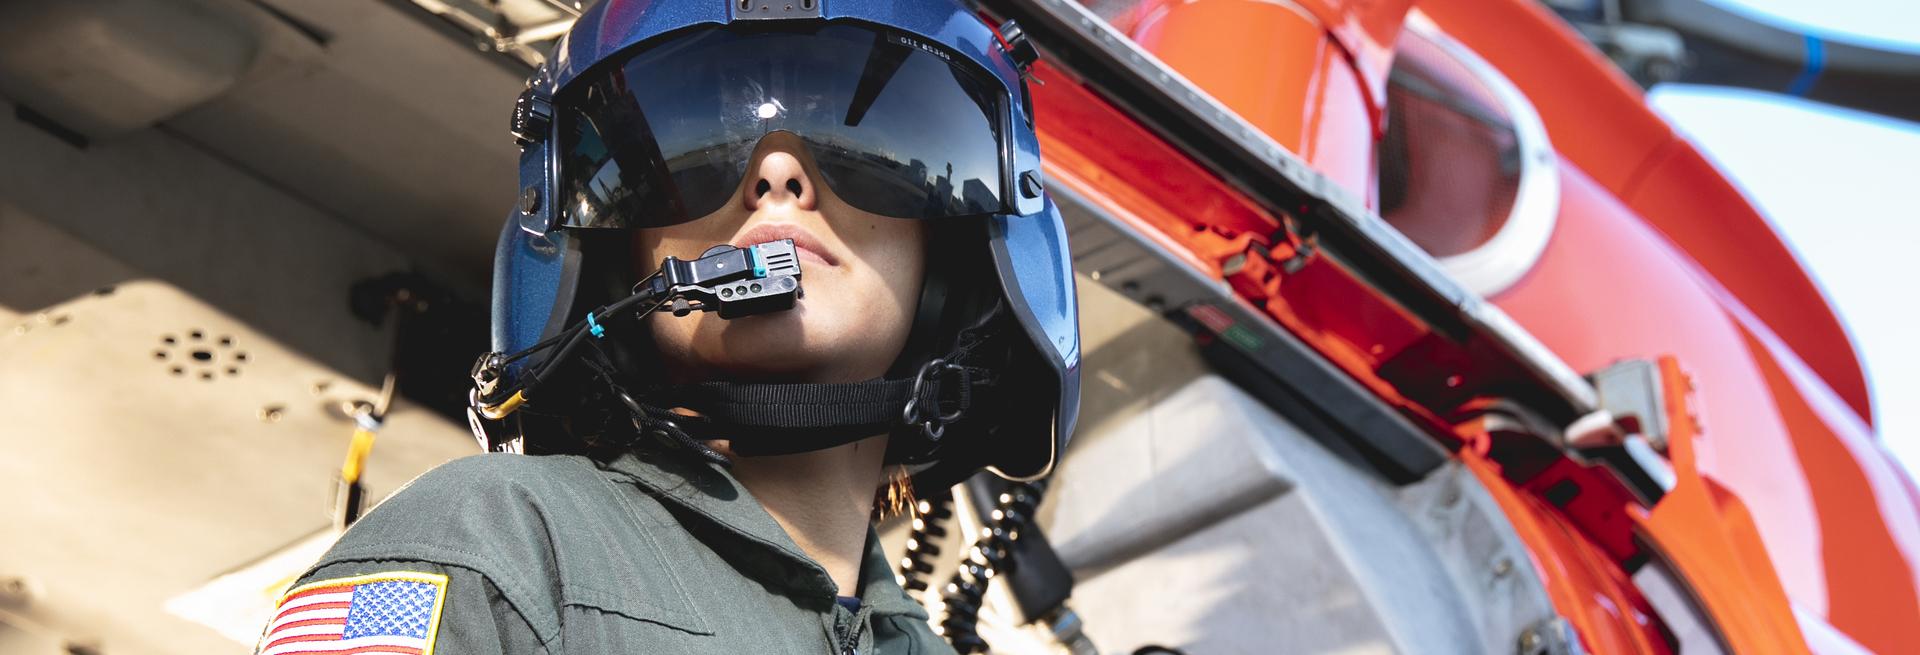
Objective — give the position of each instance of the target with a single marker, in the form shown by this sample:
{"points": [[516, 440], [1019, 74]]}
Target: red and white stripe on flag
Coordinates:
{"points": [[393, 613]]}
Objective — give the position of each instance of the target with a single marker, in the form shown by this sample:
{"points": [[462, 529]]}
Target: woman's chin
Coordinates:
{"points": [[795, 346]]}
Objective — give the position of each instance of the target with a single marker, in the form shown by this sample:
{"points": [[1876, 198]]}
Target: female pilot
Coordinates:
{"points": [[769, 262]]}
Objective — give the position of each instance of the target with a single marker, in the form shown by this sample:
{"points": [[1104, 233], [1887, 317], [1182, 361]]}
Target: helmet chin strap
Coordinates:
{"points": [[936, 380], [930, 385], [779, 419]]}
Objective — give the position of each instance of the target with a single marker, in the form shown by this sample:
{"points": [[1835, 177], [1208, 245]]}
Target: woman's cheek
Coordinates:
{"points": [[853, 314], [674, 338]]}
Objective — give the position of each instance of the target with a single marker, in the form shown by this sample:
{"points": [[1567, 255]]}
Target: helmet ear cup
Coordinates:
{"points": [[576, 412], [952, 298], [1017, 452]]}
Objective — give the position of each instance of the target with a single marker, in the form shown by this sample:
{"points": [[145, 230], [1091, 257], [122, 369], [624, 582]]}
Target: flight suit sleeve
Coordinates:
{"points": [[473, 616]]}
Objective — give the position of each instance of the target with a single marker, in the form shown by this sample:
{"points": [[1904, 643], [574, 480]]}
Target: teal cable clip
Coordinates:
{"points": [[759, 265], [599, 331]]}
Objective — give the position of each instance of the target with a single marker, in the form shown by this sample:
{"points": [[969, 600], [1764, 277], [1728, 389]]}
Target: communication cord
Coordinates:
{"points": [[991, 553], [930, 518]]}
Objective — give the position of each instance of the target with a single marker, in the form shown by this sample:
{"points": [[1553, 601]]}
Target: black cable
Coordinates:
{"points": [[930, 517], [661, 424], [644, 288], [575, 335], [991, 554], [551, 364], [543, 345]]}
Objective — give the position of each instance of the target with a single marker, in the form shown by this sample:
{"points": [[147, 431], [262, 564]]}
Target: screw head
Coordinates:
{"points": [[529, 200], [1030, 184]]}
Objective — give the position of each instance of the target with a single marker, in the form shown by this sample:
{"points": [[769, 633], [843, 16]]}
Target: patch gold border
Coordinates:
{"points": [[438, 581]]}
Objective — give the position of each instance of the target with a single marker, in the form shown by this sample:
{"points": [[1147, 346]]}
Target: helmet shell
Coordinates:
{"points": [[536, 267]]}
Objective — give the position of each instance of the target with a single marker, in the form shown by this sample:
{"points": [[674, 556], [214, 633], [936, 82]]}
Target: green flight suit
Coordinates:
{"points": [[654, 553]]}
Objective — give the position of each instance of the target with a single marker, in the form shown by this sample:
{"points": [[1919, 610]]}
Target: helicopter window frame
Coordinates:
{"points": [[1502, 259]]}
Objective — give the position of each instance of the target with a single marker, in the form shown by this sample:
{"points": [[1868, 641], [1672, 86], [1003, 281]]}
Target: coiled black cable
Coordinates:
{"points": [[930, 517], [991, 554]]}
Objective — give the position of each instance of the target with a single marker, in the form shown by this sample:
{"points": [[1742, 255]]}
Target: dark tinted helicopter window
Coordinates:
{"points": [[1450, 162]]}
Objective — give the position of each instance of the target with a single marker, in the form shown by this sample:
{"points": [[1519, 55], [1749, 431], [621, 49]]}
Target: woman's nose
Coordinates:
{"points": [[780, 179]]}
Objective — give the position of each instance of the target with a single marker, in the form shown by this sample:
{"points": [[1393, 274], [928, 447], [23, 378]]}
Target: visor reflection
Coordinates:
{"points": [[895, 129]]}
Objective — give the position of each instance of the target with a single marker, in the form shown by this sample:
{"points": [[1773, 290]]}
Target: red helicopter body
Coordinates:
{"points": [[1788, 518]]}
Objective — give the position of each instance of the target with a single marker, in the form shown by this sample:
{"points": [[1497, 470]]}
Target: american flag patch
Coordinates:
{"points": [[394, 613]]}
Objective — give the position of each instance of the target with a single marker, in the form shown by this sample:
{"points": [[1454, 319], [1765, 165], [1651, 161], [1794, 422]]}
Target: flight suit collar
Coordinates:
{"points": [[713, 494]]}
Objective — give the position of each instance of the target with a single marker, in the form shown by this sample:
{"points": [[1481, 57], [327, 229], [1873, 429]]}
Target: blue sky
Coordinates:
{"points": [[1840, 185]]}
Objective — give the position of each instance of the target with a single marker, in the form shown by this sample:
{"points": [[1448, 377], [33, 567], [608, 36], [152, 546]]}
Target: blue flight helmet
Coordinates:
{"points": [[880, 64]]}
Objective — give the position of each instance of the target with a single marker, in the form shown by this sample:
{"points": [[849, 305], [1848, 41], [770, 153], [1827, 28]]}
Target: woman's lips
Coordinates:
{"points": [[809, 246]]}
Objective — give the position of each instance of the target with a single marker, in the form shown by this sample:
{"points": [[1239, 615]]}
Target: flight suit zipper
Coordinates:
{"points": [[846, 630], [846, 643]]}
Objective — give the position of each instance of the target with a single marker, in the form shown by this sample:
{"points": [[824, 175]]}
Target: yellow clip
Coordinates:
{"points": [[500, 411], [357, 451]]}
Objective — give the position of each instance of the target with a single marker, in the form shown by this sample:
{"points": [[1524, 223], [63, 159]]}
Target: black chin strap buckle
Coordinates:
{"points": [[927, 415]]}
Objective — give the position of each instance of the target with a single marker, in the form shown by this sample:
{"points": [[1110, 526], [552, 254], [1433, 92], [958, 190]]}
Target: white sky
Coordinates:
{"points": [[1841, 186]]}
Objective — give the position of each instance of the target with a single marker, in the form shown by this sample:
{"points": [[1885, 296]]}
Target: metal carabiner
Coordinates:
{"points": [[935, 426]]}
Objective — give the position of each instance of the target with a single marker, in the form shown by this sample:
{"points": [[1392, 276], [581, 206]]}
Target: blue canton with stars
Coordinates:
{"points": [[391, 609]]}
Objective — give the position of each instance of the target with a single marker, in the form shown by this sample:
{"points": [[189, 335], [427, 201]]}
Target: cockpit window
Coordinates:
{"points": [[1450, 162], [1466, 171]]}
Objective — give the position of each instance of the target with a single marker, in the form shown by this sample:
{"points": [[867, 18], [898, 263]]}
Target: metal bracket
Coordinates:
{"points": [[1631, 430], [1554, 636], [773, 9], [1631, 391]]}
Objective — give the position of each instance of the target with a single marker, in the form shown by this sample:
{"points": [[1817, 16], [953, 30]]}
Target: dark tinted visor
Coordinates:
{"points": [[895, 127]]}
